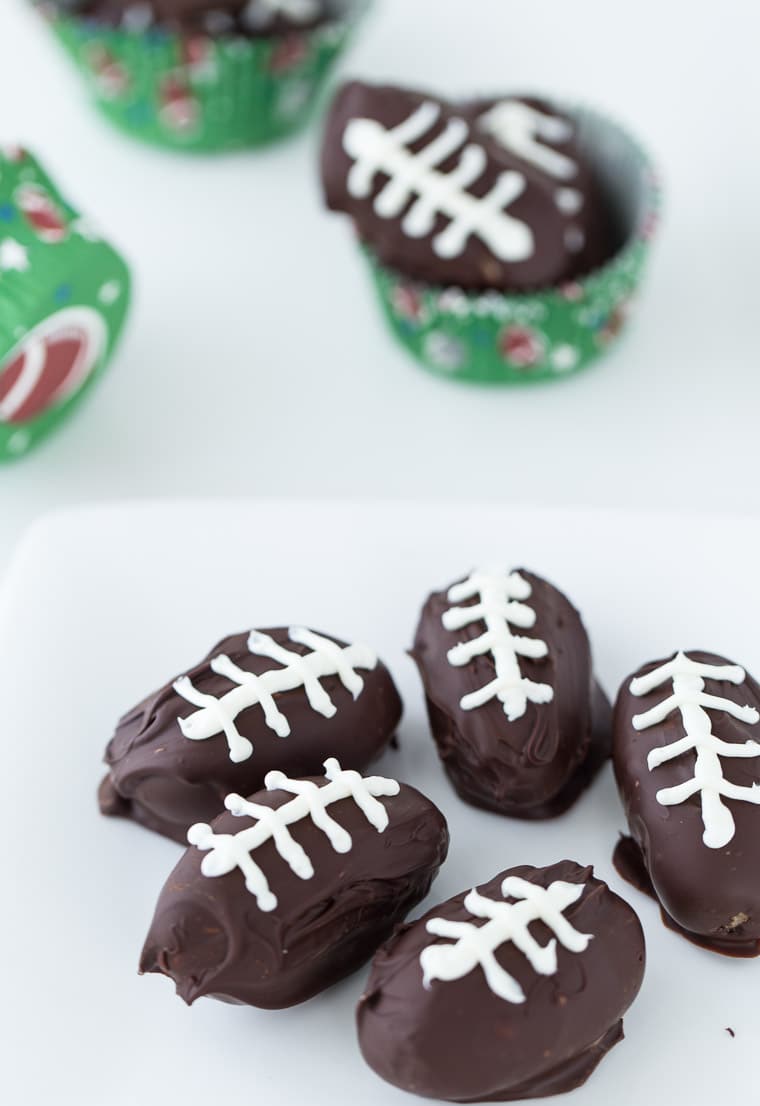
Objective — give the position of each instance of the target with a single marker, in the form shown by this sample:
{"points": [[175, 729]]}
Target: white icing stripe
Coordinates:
{"points": [[693, 702], [216, 716], [262, 13], [501, 602], [376, 150], [229, 851], [138, 17], [569, 200], [475, 946], [519, 128]]}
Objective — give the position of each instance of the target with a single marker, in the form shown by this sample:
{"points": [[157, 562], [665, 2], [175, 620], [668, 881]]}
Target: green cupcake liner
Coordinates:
{"points": [[64, 296], [198, 92], [499, 338]]}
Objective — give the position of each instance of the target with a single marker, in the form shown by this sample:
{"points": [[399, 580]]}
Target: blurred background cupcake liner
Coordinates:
{"points": [[203, 92], [499, 338], [64, 296]]}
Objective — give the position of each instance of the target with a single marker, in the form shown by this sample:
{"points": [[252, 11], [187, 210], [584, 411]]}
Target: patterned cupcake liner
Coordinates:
{"points": [[64, 296], [500, 338], [200, 92]]}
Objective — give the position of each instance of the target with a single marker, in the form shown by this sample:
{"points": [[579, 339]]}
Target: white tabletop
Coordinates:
{"points": [[256, 362]]}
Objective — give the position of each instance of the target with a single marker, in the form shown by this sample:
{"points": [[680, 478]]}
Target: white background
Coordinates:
{"points": [[256, 362]]}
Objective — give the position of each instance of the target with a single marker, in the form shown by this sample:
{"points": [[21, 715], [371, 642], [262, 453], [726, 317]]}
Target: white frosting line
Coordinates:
{"points": [[693, 702], [475, 946], [262, 13], [520, 128], [216, 716], [501, 602], [229, 851], [417, 177]]}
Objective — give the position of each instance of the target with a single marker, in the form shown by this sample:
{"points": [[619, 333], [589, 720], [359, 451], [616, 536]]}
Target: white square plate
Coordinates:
{"points": [[102, 605]]}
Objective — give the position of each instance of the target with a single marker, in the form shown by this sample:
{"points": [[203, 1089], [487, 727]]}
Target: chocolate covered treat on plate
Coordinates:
{"points": [[281, 698], [687, 762], [495, 228], [520, 722], [516, 989], [294, 888]]}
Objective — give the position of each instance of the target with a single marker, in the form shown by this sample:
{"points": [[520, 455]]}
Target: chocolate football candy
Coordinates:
{"points": [[490, 194], [269, 699], [513, 990], [295, 888], [520, 723], [64, 295], [687, 762]]}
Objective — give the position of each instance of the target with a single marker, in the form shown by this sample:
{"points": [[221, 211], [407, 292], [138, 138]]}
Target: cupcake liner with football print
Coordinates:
{"points": [[504, 338], [64, 295], [202, 92]]}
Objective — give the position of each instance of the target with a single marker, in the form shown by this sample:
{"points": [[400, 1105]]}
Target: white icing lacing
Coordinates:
{"points": [[520, 128], [501, 602], [379, 151], [230, 851], [262, 13], [689, 697], [216, 716], [138, 17], [476, 945]]}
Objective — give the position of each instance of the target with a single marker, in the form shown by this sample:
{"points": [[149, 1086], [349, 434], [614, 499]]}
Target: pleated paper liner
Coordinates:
{"points": [[202, 92], [64, 296], [499, 338]]}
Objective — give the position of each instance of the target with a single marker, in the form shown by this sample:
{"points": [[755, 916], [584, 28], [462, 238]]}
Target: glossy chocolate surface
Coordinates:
{"points": [[538, 765], [211, 938], [457, 1040]]}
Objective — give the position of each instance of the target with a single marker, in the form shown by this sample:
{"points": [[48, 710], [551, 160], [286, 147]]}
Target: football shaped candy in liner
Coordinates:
{"points": [[516, 989], [521, 725], [687, 762], [515, 205], [64, 295], [481, 217], [294, 888], [281, 698]]}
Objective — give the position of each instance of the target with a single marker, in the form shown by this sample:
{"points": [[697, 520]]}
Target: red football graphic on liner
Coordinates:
{"points": [[50, 364], [41, 213], [111, 78], [180, 110], [522, 346]]}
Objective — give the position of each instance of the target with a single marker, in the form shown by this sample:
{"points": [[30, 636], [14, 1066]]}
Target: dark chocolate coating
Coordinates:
{"points": [[711, 894], [553, 261], [534, 767], [210, 937], [167, 782], [200, 16], [461, 1042]]}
